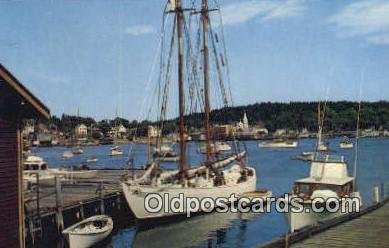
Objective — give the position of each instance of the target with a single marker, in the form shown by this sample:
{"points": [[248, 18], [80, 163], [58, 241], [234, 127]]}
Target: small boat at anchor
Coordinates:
{"points": [[92, 159], [77, 150], [169, 156], [306, 156], [67, 154], [81, 171], [346, 144], [116, 151], [216, 148], [279, 144], [88, 232]]}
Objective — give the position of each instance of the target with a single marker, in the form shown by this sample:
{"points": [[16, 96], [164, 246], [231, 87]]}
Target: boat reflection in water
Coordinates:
{"points": [[195, 231]]}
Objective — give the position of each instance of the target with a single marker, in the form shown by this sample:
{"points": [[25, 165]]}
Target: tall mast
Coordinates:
{"points": [[319, 126], [182, 161], [356, 149], [204, 14]]}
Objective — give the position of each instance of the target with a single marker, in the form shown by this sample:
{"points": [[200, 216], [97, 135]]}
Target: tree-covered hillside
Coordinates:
{"points": [[340, 116]]}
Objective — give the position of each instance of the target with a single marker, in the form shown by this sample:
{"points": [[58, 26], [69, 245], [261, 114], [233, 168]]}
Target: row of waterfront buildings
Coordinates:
{"points": [[242, 130]]}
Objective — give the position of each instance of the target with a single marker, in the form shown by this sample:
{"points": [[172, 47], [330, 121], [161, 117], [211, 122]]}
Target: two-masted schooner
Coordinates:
{"points": [[216, 176]]}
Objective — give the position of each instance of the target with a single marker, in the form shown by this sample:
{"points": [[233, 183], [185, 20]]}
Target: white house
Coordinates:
{"points": [[118, 131], [153, 132], [81, 130]]}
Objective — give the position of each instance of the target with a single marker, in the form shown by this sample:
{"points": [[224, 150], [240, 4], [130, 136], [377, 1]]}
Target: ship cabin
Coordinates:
{"points": [[328, 178], [34, 163]]}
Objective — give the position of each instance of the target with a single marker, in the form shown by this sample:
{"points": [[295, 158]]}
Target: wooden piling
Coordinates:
{"points": [[101, 196], [376, 194], [58, 203], [82, 216]]}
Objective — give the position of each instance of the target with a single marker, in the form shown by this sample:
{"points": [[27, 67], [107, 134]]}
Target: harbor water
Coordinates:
{"points": [[276, 171]]}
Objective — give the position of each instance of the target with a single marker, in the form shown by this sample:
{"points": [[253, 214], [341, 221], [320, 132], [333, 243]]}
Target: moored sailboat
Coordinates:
{"points": [[215, 177]]}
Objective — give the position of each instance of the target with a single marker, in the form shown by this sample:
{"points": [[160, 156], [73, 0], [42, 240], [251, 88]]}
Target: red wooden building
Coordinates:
{"points": [[16, 104]]}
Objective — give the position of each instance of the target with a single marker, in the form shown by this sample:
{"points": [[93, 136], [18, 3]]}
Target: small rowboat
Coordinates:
{"points": [[88, 232]]}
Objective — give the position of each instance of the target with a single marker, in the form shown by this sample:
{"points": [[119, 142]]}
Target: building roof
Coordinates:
{"points": [[16, 101], [81, 126]]}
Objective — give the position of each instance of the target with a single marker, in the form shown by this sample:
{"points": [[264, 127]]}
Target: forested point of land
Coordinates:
{"points": [[339, 116]]}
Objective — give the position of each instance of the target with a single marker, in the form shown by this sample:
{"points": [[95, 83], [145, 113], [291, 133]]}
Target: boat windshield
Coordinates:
{"points": [[320, 157]]}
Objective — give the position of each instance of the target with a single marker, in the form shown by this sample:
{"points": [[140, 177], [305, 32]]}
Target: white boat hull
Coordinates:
{"points": [[168, 159], [43, 180], [116, 153], [297, 221], [346, 146], [135, 195], [83, 241], [293, 144], [85, 174], [87, 239], [322, 148], [307, 217], [223, 147]]}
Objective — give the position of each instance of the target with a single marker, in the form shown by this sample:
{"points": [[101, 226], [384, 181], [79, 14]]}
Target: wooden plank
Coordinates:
{"points": [[9, 200]]}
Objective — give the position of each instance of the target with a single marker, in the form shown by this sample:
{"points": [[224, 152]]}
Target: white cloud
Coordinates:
{"points": [[369, 19], [264, 10], [140, 29]]}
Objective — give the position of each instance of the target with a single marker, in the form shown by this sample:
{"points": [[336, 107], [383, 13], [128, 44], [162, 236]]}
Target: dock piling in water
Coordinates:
{"points": [[58, 202]]}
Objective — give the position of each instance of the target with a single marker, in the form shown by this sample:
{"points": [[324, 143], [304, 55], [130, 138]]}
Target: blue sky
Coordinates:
{"points": [[97, 55]]}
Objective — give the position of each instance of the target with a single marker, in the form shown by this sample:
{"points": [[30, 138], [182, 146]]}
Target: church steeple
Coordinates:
{"points": [[245, 121]]}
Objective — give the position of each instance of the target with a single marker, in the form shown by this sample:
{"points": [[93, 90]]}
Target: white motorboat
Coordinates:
{"points": [[34, 166], [346, 144], [169, 156], [163, 148], [321, 147], [328, 179], [44, 179], [116, 151], [306, 156], [81, 171], [216, 147], [92, 159], [222, 146], [67, 154], [213, 149], [215, 176], [279, 144], [165, 153], [77, 150], [88, 232]]}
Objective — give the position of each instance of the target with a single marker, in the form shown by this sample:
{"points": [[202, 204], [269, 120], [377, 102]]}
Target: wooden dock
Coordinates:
{"points": [[73, 192], [366, 228], [370, 230], [68, 202]]}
